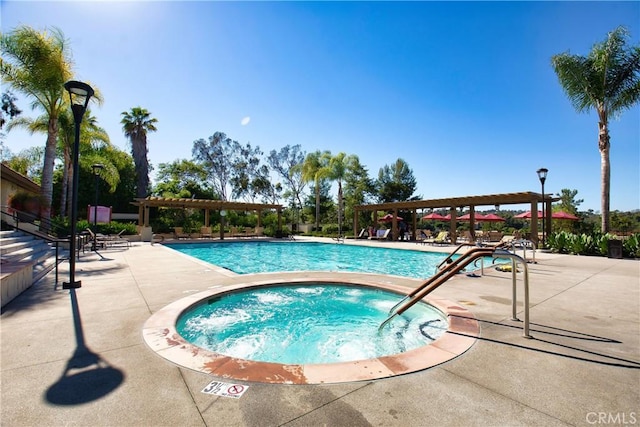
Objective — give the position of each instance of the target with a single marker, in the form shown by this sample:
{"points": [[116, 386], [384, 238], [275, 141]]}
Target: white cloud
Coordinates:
{"points": [[245, 121]]}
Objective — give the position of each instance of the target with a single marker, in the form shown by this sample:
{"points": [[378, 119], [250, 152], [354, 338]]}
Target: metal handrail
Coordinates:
{"points": [[503, 253], [15, 215], [436, 280], [450, 270], [461, 245]]}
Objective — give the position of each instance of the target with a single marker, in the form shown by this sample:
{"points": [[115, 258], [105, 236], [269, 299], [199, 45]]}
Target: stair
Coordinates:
{"points": [[25, 260]]}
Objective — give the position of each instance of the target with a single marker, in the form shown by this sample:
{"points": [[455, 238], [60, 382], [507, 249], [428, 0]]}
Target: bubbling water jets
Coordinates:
{"points": [[312, 323]]}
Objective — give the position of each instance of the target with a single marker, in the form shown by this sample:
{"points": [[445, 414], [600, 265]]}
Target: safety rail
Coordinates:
{"points": [[16, 216], [449, 271], [455, 251]]}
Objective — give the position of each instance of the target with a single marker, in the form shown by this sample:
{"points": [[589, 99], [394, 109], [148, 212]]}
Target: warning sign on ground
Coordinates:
{"points": [[225, 389]]}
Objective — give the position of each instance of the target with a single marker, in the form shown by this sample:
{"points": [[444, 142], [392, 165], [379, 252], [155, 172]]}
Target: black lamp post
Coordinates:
{"points": [[79, 94], [542, 174], [96, 172]]}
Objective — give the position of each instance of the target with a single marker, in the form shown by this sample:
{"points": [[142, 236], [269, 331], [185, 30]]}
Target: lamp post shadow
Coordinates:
{"points": [[86, 377]]}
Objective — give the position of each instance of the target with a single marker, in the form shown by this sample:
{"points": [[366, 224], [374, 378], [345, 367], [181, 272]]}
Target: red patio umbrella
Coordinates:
{"points": [[564, 215], [434, 216], [388, 218], [492, 218], [527, 215]]}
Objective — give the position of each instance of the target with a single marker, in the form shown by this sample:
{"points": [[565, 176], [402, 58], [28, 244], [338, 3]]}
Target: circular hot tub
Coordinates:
{"points": [[308, 332]]}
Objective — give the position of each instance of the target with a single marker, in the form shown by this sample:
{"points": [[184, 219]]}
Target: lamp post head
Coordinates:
{"points": [[223, 213], [79, 93], [97, 168], [542, 174]]}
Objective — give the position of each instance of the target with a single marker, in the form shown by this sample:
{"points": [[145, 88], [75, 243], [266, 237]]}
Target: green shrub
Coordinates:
{"points": [[591, 244]]}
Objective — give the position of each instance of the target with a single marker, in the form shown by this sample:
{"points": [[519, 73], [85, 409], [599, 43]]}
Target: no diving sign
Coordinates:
{"points": [[225, 389]]}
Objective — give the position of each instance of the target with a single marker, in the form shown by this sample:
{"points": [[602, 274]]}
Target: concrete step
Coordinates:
{"points": [[19, 247]]}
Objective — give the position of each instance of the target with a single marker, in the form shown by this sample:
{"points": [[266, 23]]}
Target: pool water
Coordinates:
{"points": [[259, 257], [310, 323]]}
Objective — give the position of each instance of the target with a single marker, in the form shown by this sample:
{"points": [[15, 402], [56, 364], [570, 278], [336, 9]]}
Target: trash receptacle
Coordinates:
{"points": [[614, 248]]}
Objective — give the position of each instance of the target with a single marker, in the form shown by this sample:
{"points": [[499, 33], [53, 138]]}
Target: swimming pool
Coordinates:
{"points": [[260, 257]]}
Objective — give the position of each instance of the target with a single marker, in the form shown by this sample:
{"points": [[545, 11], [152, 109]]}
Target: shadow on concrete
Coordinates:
{"points": [[87, 377], [572, 352]]}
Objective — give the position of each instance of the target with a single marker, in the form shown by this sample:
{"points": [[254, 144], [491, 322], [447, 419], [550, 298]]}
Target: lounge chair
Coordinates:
{"points": [[179, 233], [105, 242], [381, 236], [363, 234], [205, 232], [259, 231], [441, 239], [423, 236]]}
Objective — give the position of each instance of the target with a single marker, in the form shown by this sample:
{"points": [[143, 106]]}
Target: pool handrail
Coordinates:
{"points": [[442, 276], [436, 280], [461, 245], [447, 267]]}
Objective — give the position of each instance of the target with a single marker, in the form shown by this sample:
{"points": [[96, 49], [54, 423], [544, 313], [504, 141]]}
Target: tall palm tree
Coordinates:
{"points": [[135, 124], [92, 136], [338, 168], [314, 169], [37, 64], [607, 80]]}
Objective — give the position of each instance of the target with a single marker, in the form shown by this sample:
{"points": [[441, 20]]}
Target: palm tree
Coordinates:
{"points": [[338, 167], [91, 136], [37, 64], [314, 169], [135, 124], [607, 80]]}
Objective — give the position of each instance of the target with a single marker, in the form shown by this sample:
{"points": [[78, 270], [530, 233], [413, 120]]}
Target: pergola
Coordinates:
{"points": [[454, 203], [208, 205]]}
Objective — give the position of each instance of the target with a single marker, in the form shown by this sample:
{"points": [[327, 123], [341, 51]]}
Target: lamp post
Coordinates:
{"points": [[96, 172], [542, 175], [223, 213], [79, 94]]}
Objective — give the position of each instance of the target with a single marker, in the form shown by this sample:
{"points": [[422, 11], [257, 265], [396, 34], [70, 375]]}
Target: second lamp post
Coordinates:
{"points": [[542, 174], [96, 172]]}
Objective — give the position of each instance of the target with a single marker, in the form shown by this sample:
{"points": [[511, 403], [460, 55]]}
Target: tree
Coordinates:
{"points": [[608, 81], [28, 162], [136, 124], [8, 108], [396, 182], [338, 167], [358, 189], [249, 178], [90, 135], [37, 64], [288, 165], [568, 202], [183, 178], [216, 157], [314, 169]]}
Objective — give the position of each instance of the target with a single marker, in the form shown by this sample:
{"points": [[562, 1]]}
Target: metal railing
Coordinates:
{"points": [[14, 218], [451, 269]]}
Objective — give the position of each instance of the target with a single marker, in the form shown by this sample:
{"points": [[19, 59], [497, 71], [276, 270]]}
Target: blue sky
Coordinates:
{"points": [[463, 91]]}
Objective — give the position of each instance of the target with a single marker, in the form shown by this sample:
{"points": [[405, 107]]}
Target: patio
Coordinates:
{"points": [[78, 357]]}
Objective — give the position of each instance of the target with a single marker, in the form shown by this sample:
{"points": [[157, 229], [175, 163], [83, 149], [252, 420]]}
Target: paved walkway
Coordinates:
{"points": [[77, 358]]}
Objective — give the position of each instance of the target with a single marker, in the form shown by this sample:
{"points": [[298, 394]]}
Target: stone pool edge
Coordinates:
{"points": [[160, 335]]}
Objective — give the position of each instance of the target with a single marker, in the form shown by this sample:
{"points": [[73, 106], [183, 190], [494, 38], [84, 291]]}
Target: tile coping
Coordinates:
{"points": [[160, 334]]}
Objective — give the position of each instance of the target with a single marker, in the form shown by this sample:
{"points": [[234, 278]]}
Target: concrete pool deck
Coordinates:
{"points": [[78, 357]]}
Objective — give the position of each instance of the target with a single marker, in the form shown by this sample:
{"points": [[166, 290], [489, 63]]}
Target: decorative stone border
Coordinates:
{"points": [[160, 334]]}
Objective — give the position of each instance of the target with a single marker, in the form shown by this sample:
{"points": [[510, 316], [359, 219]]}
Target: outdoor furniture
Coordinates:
{"points": [[381, 235], [441, 239], [179, 233], [205, 232]]}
